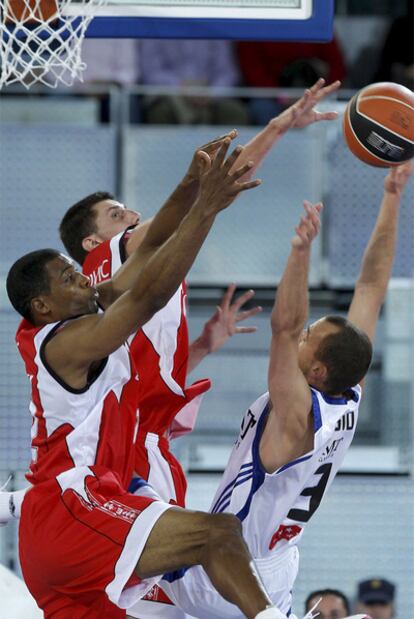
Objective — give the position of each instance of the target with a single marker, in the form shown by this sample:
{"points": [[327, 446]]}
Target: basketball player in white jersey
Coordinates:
{"points": [[85, 544], [294, 437]]}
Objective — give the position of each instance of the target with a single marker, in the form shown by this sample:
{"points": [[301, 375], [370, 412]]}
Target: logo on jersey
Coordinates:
{"points": [[330, 449], [346, 422], [100, 274], [249, 421], [284, 532], [118, 510]]}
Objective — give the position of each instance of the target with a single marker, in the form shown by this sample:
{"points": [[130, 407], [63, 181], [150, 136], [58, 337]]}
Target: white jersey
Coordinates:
{"points": [[273, 508]]}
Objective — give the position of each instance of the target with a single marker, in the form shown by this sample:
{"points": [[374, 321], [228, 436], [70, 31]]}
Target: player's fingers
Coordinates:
{"points": [[242, 170], [239, 187], [246, 329], [203, 161], [222, 152], [227, 297], [216, 143], [232, 158], [317, 86], [242, 299], [248, 313], [327, 90], [326, 116]]}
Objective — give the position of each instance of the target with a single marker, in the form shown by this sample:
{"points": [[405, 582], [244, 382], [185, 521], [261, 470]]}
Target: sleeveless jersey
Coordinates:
{"points": [[274, 508], [95, 425], [159, 350]]}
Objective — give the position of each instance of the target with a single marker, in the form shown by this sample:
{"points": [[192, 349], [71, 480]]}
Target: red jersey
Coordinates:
{"points": [[159, 350], [167, 408], [92, 426]]}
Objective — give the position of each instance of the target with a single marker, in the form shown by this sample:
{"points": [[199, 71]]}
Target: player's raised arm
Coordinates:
{"points": [[288, 388], [376, 267], [93, 337], [301, 114]]}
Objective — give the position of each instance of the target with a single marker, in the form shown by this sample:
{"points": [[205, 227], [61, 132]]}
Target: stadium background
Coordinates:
{"points": [[54, 149]]}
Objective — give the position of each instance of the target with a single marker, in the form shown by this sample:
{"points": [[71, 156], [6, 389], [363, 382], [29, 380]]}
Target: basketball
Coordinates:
{"points": [[378, 124]]}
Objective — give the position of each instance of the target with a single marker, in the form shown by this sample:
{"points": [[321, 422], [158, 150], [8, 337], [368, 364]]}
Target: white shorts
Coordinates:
{"points": [[196, 596]]}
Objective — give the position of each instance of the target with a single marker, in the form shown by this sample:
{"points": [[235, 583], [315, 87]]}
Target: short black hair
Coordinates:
{"points": [[28, 278], [79, 222], [321, 592], [346, 353]]}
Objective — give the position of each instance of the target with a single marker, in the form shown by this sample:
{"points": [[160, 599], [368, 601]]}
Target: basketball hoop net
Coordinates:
{"points": [[40, 41]]}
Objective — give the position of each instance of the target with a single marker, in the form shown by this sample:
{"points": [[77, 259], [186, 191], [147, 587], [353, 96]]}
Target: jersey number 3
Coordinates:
{"points": [[315, 493]]}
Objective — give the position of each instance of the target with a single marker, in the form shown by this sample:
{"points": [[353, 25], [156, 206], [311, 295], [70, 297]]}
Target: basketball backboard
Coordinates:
{"points": [[283, 20]]}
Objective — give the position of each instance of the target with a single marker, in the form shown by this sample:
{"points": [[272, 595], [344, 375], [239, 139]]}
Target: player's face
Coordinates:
{"points": [[112, 217], [309, 343], [330, 607], [70, 293]]}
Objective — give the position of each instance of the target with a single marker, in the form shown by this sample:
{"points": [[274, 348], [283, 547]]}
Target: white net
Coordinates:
{"points": [[41, 41]]}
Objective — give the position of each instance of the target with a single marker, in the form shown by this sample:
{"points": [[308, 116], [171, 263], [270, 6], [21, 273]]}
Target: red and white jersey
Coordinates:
{"points": [[159, 350], [95, 425]]}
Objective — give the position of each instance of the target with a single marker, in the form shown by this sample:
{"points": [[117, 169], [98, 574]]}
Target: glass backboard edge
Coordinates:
{"points": [[319, 27]]}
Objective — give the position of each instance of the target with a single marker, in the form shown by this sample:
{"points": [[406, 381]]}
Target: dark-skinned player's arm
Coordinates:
{"points": [[289, 391], [301, 114], [92, 337], [372, 283], [157, 230]]}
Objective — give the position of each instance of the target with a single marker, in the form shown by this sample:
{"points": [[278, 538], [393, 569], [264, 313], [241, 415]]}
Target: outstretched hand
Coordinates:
{"points": [[302, 113], [205, 154], [219, 187], [223, 324], [397, 177], [308, 227]]}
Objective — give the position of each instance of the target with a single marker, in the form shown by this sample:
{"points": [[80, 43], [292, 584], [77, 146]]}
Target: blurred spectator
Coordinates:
{"points": [[112, 62], [191, 63], [334, 604], [271, 64], [396, 62], [376, 597]]}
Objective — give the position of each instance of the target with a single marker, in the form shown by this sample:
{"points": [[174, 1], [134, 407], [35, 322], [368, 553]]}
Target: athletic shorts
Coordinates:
{"points": [[155, 463], [80, 538]]}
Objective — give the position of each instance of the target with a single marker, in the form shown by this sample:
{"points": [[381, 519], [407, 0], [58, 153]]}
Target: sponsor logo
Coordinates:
{"points": [[124, 512], [329, 451], [100, 274], [284, 532], [384, 147]]}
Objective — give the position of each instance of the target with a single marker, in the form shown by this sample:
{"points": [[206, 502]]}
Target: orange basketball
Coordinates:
{"points": [[379, 124]]}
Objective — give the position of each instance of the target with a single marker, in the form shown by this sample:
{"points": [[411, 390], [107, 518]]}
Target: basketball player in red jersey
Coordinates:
{"points": [[87, 546]]}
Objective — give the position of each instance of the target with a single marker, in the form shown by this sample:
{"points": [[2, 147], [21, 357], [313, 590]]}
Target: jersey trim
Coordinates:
{"points": [[56, 377], [228, 490]]}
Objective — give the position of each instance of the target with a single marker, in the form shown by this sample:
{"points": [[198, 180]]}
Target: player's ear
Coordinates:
{"points": [[319, 371], [40, 306], [90, 242]]}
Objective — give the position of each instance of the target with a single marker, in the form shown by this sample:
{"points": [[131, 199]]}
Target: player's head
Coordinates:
{"points": [[92, 220], [44, 287], [334, 355], [334, 604]]}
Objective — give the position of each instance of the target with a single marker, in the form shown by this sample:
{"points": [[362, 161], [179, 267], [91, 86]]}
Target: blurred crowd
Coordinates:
{"points": [[221, 64], [375, 596]]}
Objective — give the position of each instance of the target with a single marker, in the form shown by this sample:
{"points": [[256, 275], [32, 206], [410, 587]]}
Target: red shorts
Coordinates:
{"points": [[80, 538], [155, 463]]}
